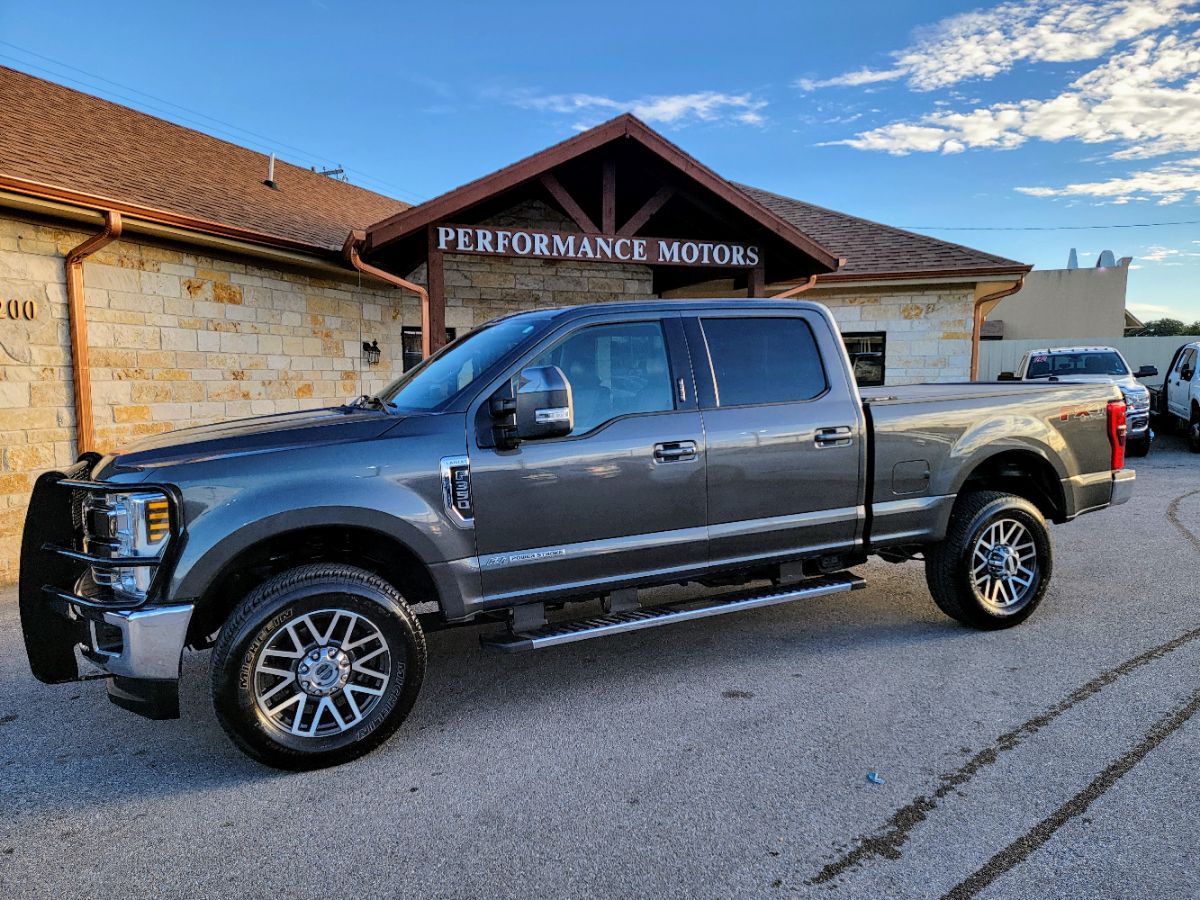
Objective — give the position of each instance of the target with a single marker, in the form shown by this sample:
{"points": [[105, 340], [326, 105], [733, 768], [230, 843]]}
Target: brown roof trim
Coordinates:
{"points": [[988, 271], [159, 216], [447, 205]]}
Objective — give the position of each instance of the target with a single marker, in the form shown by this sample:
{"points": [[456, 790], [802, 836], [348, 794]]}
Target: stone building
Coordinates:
{"points": [[153, 277]]}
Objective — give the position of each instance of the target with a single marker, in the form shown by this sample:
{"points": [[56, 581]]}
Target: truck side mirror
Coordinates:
{"points": [[544, 405], [1146, 372], [1006, 376], [1186, 373]]}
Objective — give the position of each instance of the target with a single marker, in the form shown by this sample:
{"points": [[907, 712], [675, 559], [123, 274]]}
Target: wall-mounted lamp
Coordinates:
{"points": [[371, 353]]}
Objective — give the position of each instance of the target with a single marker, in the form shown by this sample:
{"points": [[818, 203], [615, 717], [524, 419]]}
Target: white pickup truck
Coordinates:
{"points": [[1178, 400], [1104, 365]]}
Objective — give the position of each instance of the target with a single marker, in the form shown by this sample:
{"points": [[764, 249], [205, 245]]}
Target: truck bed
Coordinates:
{"points": [[927, 439]]}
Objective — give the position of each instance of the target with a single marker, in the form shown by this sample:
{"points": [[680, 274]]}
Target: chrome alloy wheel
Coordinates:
{"points": [[322, 673], [1004, 564]]}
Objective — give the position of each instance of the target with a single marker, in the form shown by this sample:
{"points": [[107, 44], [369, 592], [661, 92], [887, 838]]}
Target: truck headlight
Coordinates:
{"points": [[124, 526], [1137, 401]]}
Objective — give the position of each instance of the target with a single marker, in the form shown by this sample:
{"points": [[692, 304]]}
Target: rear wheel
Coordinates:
{"points": [[994, 565], [317, 666]]}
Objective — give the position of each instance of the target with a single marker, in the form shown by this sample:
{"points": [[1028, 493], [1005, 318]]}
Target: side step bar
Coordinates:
{"points": [[653, 616]]}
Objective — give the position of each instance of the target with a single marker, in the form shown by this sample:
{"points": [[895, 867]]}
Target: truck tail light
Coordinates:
{"points": [[1116, 432]]}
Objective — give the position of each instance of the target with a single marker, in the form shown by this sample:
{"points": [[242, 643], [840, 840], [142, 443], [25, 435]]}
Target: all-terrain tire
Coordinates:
{"points": [[979, 520], [1193, 432], [337, 643]]}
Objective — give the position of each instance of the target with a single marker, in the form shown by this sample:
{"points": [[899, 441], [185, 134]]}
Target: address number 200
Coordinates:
{"points": [[18, 309]]}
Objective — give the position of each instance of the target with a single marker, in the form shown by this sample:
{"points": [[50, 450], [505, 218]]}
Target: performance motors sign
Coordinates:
{"points": [[528, 242]]}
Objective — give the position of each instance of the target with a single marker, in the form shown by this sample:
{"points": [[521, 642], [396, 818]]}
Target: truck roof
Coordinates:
{"points": [[689, 304], [1074, 350]]}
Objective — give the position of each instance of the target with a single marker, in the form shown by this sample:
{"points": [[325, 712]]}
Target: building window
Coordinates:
{"points": [[410, 337], [867, 351]]}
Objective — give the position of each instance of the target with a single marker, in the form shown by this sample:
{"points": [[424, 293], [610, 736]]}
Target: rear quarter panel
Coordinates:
{"points": [[948, 431]]}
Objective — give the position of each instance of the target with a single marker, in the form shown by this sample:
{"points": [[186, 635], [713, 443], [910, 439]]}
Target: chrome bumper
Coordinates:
{"points": [[1122, 488], [150, 642]]}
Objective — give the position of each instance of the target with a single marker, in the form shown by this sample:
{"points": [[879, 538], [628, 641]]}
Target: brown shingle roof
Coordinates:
{"points": [[872, 250], [64, 138]]}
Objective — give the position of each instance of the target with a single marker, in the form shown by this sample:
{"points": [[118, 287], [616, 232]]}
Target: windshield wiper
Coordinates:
{"points": [[371, 401]]}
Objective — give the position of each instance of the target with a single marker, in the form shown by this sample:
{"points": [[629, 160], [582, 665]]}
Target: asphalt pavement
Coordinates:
{"points": [[726, 757]]}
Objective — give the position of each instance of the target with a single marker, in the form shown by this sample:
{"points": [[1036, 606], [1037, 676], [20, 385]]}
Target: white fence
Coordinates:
{"points": [[1002, 356]]}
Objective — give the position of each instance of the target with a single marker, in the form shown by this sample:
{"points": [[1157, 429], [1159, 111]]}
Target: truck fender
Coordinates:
{"points": [[214, 541]]}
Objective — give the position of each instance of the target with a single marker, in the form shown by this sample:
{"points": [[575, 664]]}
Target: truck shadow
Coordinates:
{"points": [[66, 748]]}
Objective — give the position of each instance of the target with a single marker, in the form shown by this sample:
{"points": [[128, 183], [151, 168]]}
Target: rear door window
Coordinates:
{"points": [[763, 360]]}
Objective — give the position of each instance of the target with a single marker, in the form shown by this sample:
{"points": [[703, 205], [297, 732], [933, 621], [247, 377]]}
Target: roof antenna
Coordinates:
{"points": [[270, 182]]}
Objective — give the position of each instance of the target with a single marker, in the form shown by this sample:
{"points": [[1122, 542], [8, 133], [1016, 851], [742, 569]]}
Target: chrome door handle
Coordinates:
{"points": [[675, 451], [836, 436]]}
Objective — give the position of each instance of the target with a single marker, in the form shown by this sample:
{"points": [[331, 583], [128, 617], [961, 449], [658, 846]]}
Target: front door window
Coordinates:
{"points": [[614, 370]]}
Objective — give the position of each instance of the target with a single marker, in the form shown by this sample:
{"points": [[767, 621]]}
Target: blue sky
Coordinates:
{"points": [[935, 116]]}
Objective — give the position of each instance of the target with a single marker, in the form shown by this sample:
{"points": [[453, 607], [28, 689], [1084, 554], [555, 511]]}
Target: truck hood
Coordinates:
{"points": [[262, 434]]}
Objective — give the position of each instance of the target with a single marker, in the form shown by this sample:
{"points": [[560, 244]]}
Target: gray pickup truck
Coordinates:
{"points": [[554, 461]]}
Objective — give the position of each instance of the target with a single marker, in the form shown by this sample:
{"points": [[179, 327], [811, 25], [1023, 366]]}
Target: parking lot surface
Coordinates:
{"points": [[718, 758]]}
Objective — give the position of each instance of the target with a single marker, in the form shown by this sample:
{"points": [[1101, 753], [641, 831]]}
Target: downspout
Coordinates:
{"points": [[350, 251], [798, 289], [978, 314], [801, 288], [81, 373]]}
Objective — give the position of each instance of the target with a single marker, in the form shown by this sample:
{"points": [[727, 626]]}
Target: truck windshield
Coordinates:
{"points": [[443, 376], [1068, 365]]}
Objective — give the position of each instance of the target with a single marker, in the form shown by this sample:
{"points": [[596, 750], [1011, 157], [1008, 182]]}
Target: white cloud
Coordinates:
{"points": [[1142, 96], [1145, 97], [664, 109], [985, 43], [1168, 182], [851, 79], [1152, 308]]}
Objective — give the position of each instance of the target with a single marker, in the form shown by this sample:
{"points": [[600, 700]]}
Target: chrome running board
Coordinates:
{"points": [[667, 614]]}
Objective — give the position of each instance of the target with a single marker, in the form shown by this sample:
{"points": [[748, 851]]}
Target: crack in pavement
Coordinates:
{"points": [[887, 841], [1173, 517], [1023, 847]]}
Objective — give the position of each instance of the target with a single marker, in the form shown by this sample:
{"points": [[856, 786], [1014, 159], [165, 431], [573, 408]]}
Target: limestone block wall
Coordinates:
{"points": [[928, 330], [176, 338], [481, 288]]}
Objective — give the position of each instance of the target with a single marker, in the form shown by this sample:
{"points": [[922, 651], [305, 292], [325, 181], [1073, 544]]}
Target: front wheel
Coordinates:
{"points": [[1139, 446], [317, 666], [994, 565], [1193, 434]]}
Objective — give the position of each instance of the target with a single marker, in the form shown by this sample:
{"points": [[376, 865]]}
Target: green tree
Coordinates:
{"points": [[1194, 328], [1163, 328]]}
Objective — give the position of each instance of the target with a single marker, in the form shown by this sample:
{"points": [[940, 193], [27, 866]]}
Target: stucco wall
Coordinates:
{"points": [[1066, 303]]}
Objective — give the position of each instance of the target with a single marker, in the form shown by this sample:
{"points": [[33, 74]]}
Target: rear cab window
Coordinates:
{"points": [[767, 359]]}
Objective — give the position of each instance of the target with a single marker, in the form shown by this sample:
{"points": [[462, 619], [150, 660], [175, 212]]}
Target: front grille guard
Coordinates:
{"points": [[56, 601], [161, 564]]}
